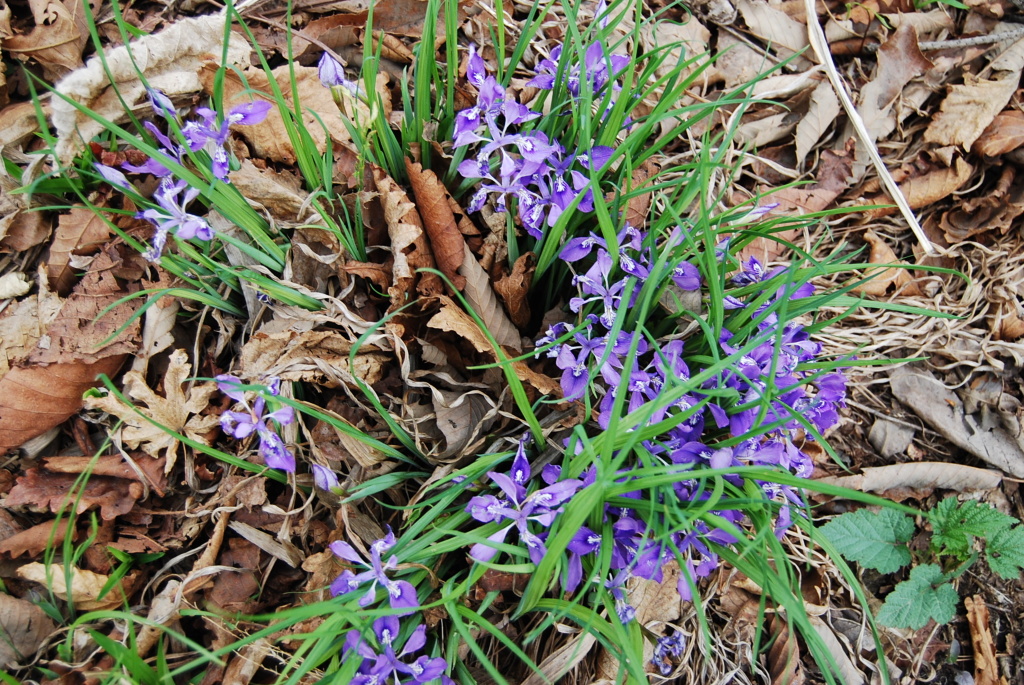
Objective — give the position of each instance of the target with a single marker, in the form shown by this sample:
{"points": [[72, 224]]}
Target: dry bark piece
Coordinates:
{"points": [[986, 667], [446, 241], [513, 289], [943, 410], [24, 627], [46, 388], [81, 231]]}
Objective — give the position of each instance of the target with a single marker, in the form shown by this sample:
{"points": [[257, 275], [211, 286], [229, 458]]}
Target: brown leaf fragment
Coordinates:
{"points": [[640, 205], [35, 539], [144, 469], [24, 627], [446, 241], [41, 490], [1004, 134], [408, 243], [318, 356], [57, 40], [784, 654], [970, 107], [920, 476], [481, 298], [24, 230], [79, 232], [462, 417], [880, 277], [986, 666], [279, 192], [513, 289]]}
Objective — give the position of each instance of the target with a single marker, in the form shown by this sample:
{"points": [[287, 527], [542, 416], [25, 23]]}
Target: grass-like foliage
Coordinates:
{"points": [[961, 533], [694, 372]]}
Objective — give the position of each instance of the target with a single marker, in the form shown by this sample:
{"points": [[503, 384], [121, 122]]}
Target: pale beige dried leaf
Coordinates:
{"points": [[481, 298], [18, 122], [57, 41], [85, 585], [761, 132], [986, 665], [275, 547], [24, 230], [320, 357], [848, 673], [170, 60], [176, 410], [13, 284], [657, 601], [23, 629], [157, 332], [246, 664], [969, 108], [821, 115], [785, 35], [280, 193], [920, 476], [462, 417], [409, 246], [557, 664]]}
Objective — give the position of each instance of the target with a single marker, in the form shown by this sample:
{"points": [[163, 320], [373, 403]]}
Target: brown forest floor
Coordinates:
{"points": [[947, 119]]}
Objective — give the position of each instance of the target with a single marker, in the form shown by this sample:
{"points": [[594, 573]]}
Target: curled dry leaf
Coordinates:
{"points": [[513, 288], [24, 627], [24, 230], [1004, 134], [42, 490], [785, 35], [13, 284], [81, 231], [34, 540], [986, 666], [462, 417], [408, 243], [142, 468], [881, 277], [446, 241], [320, 357], [280, 193], [925, 189], [784, 654], [44, 389], [970, 107], [848, 673], [921, 476], [86, 586], [23, 323], [170, 60], [179, 410], [19, 122], [557, 664], [451, 317]]}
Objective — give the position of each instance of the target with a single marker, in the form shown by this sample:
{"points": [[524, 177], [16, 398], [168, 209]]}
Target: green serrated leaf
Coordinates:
{"points": [[872, 540], [1005, 552], [955, 523], [927, 594]]}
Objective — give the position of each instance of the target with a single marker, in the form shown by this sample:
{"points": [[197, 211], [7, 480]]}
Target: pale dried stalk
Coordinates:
{"points": [[820, 46]]}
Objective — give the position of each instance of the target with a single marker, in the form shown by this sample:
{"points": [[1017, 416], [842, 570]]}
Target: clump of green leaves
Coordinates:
{"points": [[961, 533]]}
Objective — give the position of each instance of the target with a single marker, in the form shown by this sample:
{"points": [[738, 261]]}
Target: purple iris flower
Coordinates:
{"points": [[324, 478], [401, 593], [519, 508], [378, 668], [113, 176], [241, 425], [668, 652], [172, 216]]}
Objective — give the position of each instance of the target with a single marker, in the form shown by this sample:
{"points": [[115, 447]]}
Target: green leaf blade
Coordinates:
{"points": [[875, 541]]}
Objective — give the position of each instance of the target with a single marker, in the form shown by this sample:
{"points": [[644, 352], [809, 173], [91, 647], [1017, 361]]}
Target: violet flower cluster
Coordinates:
{"points": [[523, 166], [242, 424], [171, 214], [383, 665], [401, 593]]}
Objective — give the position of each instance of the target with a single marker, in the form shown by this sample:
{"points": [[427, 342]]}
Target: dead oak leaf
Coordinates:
{"points": [[175, 411]]}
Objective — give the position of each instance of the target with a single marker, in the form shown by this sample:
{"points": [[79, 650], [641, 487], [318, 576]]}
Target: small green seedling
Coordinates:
{"points": [[879, 541]]}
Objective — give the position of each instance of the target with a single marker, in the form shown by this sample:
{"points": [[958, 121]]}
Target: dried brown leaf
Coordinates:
{"points": [[57, 40], [986, 666], [881, 277], [480, 296], [784, 654], [462, 417], [924, 190], [24, 627], [178, 410], [143, 469], [43, 390], [280, 193], [318, 356], [513, 288], [640, 205], [920, 476], [786, 35], [557, 664], [821, 115], [24, 230], [446, 241], [45, 491], [79, 232], [969, 108], [1004, 134], [35, 539]]}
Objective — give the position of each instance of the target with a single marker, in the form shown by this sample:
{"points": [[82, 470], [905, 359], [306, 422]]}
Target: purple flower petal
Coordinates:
{"points": [[346, 551], [324, 478], [274, 452]]}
